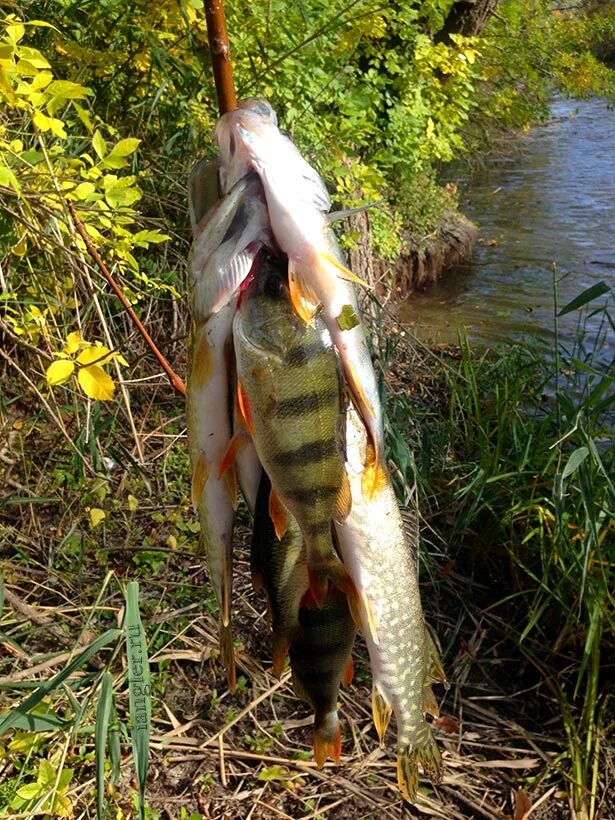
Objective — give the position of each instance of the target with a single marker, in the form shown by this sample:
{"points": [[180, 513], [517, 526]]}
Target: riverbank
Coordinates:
{"points": [[422, 260], [502, 585]]}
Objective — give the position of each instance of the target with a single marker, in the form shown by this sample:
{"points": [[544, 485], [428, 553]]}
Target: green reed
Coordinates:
{"points": [[513, 454]]}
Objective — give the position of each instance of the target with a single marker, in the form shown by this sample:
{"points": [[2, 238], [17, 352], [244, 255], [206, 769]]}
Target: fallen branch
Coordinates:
{"points": [[174, 379]]}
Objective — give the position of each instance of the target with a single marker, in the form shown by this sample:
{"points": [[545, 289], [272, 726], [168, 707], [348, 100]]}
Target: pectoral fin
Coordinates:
{"points": [[343, 502], [243, 406], [342, 270], [302, 296]]}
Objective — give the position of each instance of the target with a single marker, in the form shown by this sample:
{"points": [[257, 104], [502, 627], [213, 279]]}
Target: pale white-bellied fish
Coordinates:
{"points": [[376, 552], [291, 398], [222, 235], [297, 202]]}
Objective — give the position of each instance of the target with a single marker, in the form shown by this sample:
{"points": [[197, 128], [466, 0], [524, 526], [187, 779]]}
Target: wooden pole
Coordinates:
{"points": [[220, 55]]}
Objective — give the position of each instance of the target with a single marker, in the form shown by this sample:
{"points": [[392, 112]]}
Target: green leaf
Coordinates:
{"points": [[30, 791], [103, 716], [125, 147], [593, 292], [139, 688], [38, 723], [42, 691], [577, 457], [347, 318], [99, 145]]}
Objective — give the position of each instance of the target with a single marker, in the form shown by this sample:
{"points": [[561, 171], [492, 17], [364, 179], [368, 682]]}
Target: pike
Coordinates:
{"points": [[290, 396], [376, 551], [319, 640], [297, 202]]}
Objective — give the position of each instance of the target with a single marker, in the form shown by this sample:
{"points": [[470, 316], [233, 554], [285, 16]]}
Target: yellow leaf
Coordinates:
{"points": [[172, 542], [73, 342], [133, 503], [99, 145], [59, 372], [95, 383], [57, 127], [84, 190], [41, 120], [15, 32], [96, 516], [8, 179], [94, 354]]}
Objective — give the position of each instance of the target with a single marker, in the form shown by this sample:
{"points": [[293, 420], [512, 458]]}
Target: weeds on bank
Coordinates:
{"points": [[515, 468]]}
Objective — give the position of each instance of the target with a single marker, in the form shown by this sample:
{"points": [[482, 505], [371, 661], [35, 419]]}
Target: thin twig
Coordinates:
{"points": [[174, 379]]}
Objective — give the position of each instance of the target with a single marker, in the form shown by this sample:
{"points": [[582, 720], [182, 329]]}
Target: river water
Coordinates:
{"points": [[546, 214]]}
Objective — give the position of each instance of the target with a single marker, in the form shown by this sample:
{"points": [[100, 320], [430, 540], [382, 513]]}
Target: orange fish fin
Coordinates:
{"points": [[302, 296], [235, 446], [202, 366], [375, 477], [319, 585], [343, 502], [327, 743], [278, 514], [358, 602], [308, 600], [244, 408], [281, 645], [348, 674], [342, 270], [330, 570], [381, 712], [230, 480], [200, 474], [227, 654]]}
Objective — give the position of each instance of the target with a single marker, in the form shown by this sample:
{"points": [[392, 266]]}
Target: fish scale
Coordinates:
{"points": [[289, 380], [380, 559]]}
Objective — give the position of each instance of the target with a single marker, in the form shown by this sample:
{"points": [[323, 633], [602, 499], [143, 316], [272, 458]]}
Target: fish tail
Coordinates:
{"points": [[427, 754], [327, 737], [227, 654], [331, 569]]}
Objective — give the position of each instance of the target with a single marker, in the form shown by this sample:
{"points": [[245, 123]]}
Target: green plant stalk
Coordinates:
{"points": [[139, 688]]}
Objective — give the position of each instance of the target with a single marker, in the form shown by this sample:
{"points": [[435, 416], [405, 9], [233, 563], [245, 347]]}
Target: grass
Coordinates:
{"points": [[513, 473], [513, 452]]}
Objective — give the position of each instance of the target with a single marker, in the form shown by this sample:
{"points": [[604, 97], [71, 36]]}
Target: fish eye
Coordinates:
{"points": [[274, 286]]}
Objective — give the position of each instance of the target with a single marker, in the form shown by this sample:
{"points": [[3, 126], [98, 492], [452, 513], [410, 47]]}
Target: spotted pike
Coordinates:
{"points": [[319, 640], [375, 549], [290, 395], [297, 202]]}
